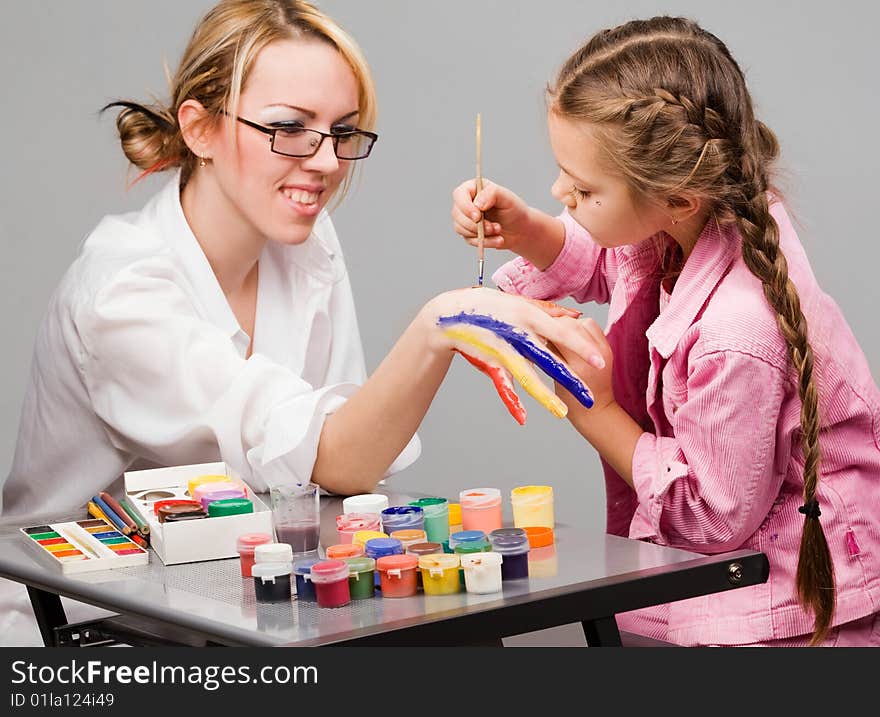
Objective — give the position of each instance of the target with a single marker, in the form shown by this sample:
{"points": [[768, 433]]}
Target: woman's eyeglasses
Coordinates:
{"points": [[303, 142]]}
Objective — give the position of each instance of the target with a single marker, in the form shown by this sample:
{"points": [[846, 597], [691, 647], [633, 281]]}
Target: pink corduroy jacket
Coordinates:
{"points": [[720, 466]]}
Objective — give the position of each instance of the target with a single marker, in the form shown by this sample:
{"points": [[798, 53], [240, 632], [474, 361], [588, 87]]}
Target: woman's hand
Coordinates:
{"points": [[504, 335]]}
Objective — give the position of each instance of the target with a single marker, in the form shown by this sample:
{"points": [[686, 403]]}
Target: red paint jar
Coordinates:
{"points": [[246, 544], [397, 575], [330, 578]]}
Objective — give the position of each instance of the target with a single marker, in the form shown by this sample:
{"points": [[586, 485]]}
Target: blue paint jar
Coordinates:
{"points": [[465, 536], [305, 590], [376, 548], [403, 517], [513, 544]]}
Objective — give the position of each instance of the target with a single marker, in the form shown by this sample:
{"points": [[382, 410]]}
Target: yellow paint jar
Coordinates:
{"points": [[362, 536], [440, 573], [532, 506]]}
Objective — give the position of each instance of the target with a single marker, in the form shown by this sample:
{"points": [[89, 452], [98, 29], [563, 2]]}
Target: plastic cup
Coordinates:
{"points": [[397, 575], [532, 506], [296, 517], [513, 544], [330, 578], [436, 512], [440, 573], [361, 577], [302, 572], [271, 582]]}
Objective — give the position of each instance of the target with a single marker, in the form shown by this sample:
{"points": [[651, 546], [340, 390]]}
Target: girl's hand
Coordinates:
{"points": [[505, 216], [503, 335], [598, 379]]}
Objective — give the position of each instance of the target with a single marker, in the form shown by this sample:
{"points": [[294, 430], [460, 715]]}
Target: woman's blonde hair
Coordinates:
{"points": [[671, 112], [215, 68]]}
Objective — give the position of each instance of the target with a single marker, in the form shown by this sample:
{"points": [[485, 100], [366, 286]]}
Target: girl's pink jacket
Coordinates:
{"points": [[719, 466]]}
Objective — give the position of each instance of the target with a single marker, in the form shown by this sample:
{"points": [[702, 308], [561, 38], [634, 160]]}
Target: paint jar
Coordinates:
{"points": [[480, 509], [343, 551], [273, 553], [194, 483], [296, 517], [348, 524], [467, 536], [454, 518], [361, 577], [271, 581], [397, 575], [409, 536], [469, 547], [418, 549], [229, 506], [436, 512], [376, 548], [194, 504], [440, 573], [403, 517], [245, 545], [172, 512], [361, 537], [302, 572], [515, 549], [365, 503], [539, 536], [330, 578], [532, 505], [482, 572], [209, 492]]}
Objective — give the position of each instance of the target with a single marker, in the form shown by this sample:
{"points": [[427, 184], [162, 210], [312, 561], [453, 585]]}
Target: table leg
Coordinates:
{"points": [[49, 613], [602, 632]]}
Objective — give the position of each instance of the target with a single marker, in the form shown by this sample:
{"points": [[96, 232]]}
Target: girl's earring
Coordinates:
{"points": [[202, 163], [674, 220]]}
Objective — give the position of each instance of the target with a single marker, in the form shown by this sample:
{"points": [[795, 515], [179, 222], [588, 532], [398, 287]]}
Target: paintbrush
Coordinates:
{"points": [[481, 233]]}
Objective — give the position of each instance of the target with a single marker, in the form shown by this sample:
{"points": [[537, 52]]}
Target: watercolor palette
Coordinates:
{"points": [[85, 545]]}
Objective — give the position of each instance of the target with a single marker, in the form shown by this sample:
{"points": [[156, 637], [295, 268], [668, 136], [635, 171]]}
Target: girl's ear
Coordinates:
{"points": [[682, 206], [197, 128]]}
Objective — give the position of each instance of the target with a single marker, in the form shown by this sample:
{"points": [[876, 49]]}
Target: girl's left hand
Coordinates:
{"points": [[598, 379]]}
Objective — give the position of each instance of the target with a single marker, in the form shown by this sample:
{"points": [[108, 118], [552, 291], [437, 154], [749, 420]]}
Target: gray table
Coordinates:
{"points": [[587, 577]]}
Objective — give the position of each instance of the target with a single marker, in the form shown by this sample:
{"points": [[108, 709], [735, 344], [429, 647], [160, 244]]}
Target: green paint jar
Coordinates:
{"points": [[361, 574], [436, 512]]}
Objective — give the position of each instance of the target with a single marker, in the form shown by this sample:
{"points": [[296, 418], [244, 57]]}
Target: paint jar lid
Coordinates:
{"points": [[479, 498], [180, 510], [229, 506], [343, 550], [273, 553], [362, 536], [531, 494], [439, 561], [539, 536], [304, 567], [377, 547], [209, 496], [175, 501], [410, 535], [194, 483], [205, 488], [466, 536], [507, 532], [267, 572], [403, 561], [433, 507], [247, 542], [474, 546], [353, 522], [329, 571], [455, 514], [360, 564], [365, 503], [510, 544], [424, 548], [479, 560]]}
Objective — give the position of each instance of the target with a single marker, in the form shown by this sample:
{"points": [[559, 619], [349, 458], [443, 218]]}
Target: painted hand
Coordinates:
{"points": [[504, 351]]}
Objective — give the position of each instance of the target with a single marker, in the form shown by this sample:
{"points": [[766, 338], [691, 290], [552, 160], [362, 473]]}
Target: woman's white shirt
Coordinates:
{"points": [[140, 362]]}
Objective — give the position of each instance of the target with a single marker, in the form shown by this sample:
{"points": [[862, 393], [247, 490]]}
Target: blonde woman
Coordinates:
{"points": [[218, 322]]}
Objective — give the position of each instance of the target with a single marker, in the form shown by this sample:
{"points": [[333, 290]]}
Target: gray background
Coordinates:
{"points": [[436, 65]]}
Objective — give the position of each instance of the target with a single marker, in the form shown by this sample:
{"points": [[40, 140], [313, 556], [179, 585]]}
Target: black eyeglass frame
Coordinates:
{"points": [[334, 136]]}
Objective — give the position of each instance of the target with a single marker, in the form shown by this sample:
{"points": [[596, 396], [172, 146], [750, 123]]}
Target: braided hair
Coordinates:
{"points": [[670, 108]]}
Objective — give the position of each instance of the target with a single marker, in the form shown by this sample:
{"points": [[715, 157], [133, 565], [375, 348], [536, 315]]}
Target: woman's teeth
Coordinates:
{"points": [[301, 196]]}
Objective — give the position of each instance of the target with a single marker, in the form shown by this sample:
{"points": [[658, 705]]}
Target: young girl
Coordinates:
{"points": [[739, 410], [218, 323]]}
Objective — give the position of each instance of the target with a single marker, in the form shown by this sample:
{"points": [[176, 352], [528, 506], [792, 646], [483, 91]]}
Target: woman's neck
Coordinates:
{"points": [[228, 240]]}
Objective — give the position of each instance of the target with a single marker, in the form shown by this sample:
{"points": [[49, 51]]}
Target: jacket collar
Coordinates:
{"points": [[714, 253]]}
